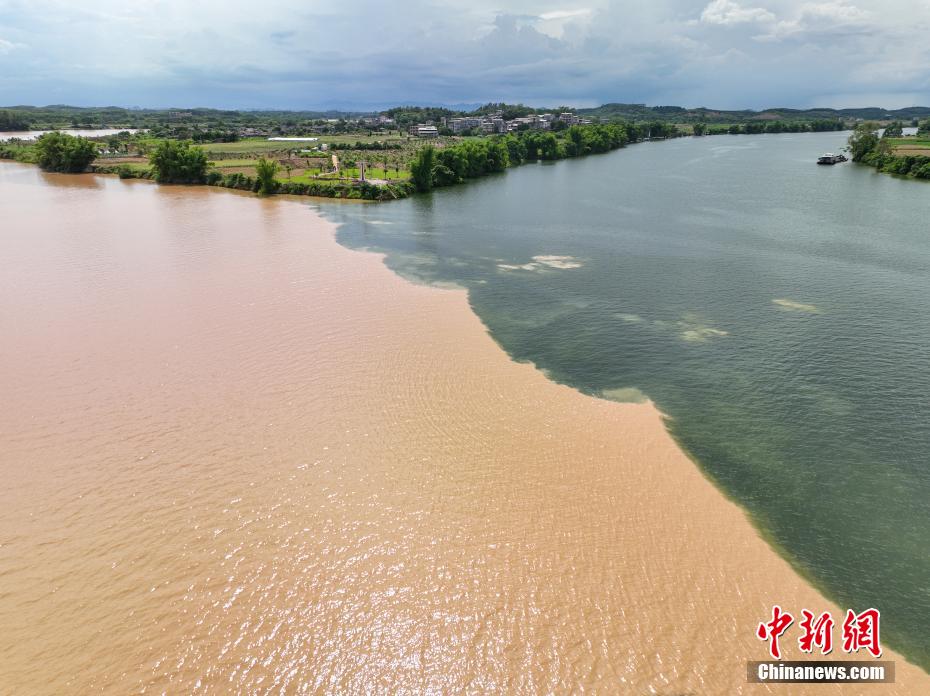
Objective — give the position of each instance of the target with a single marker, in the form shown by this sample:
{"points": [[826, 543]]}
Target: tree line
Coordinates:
{"points": [[759, 127], [359, 145], [434, 167], [13, 121], [199, 134]]}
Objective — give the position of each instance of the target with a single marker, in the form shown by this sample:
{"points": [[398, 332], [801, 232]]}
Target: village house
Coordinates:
{"points": [[424, 131]]}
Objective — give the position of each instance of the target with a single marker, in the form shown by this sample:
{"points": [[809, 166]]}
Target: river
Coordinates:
{"points": [[773, 308], [82, 132], [237, 456]]}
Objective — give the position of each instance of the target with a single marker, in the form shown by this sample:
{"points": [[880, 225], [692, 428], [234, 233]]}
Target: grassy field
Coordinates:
{"points": [[308, 175], [259, 145], [352, 138], [242, 156], [911, 146], [300, 172], [136, 166], [374, 172], [255, 145], [233, 162], [234, 165]]}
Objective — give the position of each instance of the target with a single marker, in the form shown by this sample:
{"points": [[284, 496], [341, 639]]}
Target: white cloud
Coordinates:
{"points": [[723, 53], [729, 12], [564, 14], [820, 19]]}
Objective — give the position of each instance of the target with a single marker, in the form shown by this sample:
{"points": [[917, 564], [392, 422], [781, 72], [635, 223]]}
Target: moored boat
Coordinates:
{"points": [[830, 158]]}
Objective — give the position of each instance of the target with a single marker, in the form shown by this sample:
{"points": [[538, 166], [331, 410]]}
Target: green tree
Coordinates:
{"points": [[516, 149], [549, 147], [895, 129], [498, 155], [863, 141], [60, 152], [265, 170], [176, 162], [421, 169], [13, 121], [451, 166], [576, 143], [924, 128]]}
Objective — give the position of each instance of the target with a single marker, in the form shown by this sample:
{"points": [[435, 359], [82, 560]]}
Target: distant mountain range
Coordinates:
{"points": [[678, 114], [143, 117]]}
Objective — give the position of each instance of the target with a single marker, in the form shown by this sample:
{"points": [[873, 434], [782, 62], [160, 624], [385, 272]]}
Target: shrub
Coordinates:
{"points": [[176, 162], [921, 168], [265, 170], [60, 152]]}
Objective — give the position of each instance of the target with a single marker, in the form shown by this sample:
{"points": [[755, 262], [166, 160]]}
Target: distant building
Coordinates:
{"points": [[494, 125], [422, 131], [460, 125], [534, 121]]}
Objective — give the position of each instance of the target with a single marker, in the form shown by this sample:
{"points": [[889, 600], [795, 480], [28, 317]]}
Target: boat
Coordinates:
{"points": [[830, 158]]}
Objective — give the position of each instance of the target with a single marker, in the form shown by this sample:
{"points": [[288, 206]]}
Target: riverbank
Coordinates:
{"points": [[240, 455], [454, 162], [906, 156]]}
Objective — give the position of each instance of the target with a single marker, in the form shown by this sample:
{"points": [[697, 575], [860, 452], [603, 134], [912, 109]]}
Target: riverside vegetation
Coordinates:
{"points": [[893, 153], [225, 148], [433, 168], [402, 165], [452, 162]]}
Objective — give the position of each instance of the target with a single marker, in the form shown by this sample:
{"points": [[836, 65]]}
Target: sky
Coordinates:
{"points": [[370, 54]]}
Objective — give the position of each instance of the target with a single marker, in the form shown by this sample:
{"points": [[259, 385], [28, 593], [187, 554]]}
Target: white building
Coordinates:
{"points": [[422, 131], [532, 121]]}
